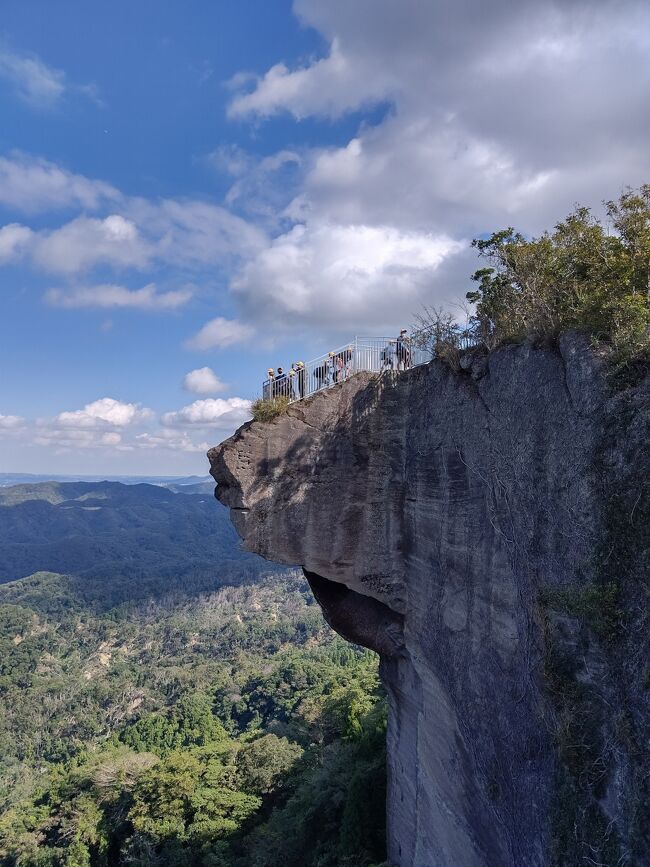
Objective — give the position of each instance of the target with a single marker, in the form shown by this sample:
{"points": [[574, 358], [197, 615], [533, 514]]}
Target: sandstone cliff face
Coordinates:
{"points": [[455, 523]]}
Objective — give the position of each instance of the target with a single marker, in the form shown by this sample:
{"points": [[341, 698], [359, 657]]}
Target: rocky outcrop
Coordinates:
{"points": [[458, 523]]}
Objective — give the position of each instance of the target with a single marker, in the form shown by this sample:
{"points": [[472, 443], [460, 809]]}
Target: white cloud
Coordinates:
{"points": [[111, 439], [211, 412], [111, 428], [104, 412], [88, 241], [111, 296], [263, 187], [230, 159], [203, 381], [194, 233], [352, 275], [11, 422], [456, 183], [138, 233], [182, 234], [328, 86], [171, 440], [37, 84], [220, 333], [77, 438], [498, 115], [32, 185], [34, 82], [14, 241]]}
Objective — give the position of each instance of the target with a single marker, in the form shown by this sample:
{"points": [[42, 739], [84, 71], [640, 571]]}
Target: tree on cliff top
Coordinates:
{"points": [[581, 275]]}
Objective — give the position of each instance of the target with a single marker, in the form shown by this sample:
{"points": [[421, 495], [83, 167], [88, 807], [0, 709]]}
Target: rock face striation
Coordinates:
{"points": [[470, 526]]}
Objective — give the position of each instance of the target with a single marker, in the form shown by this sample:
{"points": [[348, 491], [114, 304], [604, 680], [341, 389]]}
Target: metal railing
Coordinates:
{"points": [[372, 354]]}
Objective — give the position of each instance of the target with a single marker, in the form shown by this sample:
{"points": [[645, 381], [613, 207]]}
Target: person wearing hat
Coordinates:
{"points": [[403, 351], [267, 391], [301, 379]]}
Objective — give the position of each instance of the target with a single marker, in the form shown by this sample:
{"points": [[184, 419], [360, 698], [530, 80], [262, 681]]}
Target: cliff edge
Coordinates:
{"points": [[486, 532]]}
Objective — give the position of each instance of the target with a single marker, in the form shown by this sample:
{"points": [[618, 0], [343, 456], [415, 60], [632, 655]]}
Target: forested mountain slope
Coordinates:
{"points": [[108, 530]]}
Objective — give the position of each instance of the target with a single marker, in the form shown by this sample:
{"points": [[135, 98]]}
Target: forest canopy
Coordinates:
{"points": [[229, 727]]}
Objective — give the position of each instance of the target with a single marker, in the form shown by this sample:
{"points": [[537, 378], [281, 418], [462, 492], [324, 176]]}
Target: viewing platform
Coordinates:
{"points": [[372, 354]]}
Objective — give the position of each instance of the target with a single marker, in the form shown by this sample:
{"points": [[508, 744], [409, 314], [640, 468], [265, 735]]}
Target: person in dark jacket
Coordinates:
{"points": [[281, 384], [403, 350], [321, 375]]}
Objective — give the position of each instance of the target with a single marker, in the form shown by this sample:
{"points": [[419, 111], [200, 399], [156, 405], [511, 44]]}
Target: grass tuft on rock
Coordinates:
{"points": [[265, 409]]}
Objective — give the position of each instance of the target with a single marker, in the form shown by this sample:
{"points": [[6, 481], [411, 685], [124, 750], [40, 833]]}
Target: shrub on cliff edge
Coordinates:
{"points": [[265, 409], [582, 276]]}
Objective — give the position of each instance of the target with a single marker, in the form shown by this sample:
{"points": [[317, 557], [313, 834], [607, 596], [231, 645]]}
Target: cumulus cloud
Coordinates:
{"points": [[219, 333], [182, 234], [355, 274], [111, 427], [203, 380], [328, 86], [110, 296], [14, 241], [88, 241], [498, 114], [104, 412], [31, 185], [211, 412]]}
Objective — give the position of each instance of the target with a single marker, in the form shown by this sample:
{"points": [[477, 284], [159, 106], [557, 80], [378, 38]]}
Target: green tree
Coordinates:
{"points": [[580, 276], [264, 762]]}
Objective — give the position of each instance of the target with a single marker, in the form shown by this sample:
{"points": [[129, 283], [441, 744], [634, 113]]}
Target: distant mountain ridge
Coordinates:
{"points": [[137, 532], [9, 479]]}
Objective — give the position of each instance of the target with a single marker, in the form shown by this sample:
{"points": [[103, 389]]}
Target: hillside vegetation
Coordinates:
{"points": [[176, 721]]}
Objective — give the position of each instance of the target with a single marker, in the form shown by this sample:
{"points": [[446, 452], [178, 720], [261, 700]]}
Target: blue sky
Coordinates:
{"points": [[218, 186]]}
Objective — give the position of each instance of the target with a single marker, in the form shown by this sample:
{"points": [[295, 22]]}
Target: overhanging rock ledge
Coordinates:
{"points": [[432, 510]]}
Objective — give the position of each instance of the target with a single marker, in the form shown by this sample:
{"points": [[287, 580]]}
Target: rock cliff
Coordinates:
{"points": [[486, 532]]}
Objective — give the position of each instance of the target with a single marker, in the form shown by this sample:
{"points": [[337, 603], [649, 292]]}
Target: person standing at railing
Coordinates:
{"points": [[388, 360], [268, 388], [293, 381], [403, 350], [346, 364], [339, 371], [281, 384], [332, 369], [301, 379], [321, 375]]}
